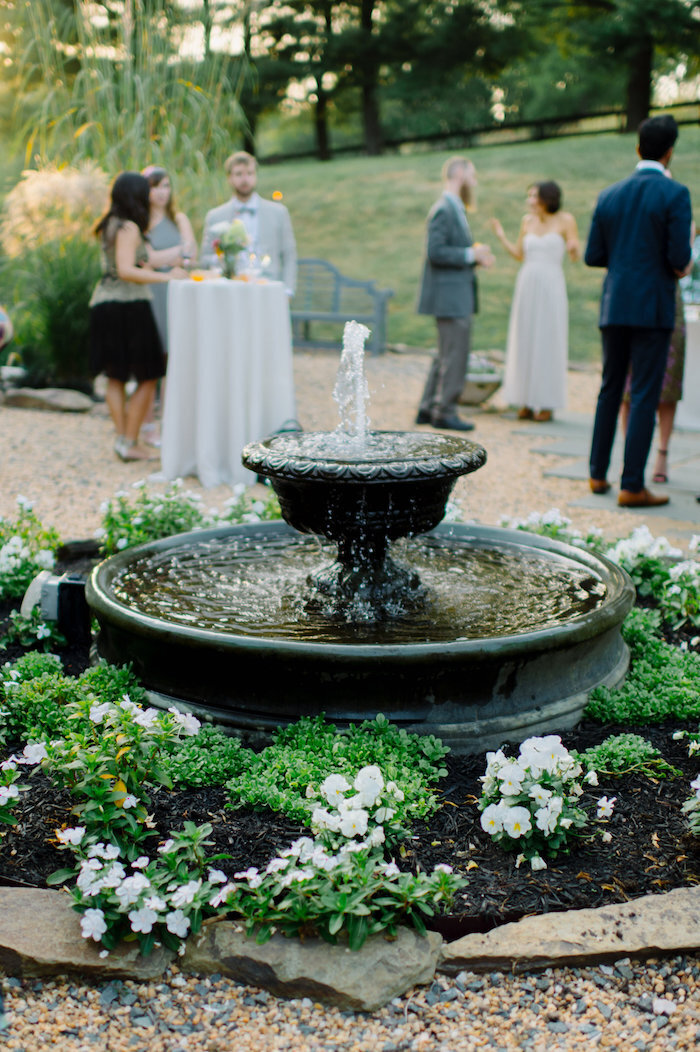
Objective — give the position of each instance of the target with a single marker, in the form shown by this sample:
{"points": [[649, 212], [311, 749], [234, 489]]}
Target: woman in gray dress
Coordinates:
{"points": [[170, 238], [171, 242]]}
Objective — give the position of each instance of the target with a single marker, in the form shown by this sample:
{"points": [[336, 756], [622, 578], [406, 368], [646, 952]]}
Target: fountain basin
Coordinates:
{"points": [[474, 693]]}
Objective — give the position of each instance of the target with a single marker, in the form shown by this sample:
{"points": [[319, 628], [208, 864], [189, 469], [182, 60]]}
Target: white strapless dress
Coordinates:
{"points": [[538, 331]]}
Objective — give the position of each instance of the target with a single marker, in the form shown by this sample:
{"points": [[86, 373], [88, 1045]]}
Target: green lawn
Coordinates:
{"points": [[367, 215]]}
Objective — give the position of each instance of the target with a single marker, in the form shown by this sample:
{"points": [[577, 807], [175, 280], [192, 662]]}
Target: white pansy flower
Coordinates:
{"points": [[606, 806], [492, 818], [591, 777], [536, 863], [546, 819], [369, 784], [354, 823], [516, 822], [333, 788], [511, 777], [321, 818], [539, 794], [141, 862]]}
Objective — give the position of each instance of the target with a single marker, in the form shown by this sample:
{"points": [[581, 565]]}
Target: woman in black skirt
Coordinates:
{"points": [[124, 340]]}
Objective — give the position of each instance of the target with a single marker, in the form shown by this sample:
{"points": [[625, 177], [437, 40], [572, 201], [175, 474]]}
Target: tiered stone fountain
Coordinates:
{"points": [[476, 634]]}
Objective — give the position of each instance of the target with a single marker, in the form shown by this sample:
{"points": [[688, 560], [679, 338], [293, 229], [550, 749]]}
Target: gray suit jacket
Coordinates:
{"points": [[275, 239], [448, 288]]}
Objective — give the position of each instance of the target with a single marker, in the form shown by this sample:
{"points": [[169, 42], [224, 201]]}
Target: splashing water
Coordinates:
{"points": [[351, 391]]}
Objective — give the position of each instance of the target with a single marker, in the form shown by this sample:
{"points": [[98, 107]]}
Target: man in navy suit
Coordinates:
{"points": [[641, 233], [448, 292]]}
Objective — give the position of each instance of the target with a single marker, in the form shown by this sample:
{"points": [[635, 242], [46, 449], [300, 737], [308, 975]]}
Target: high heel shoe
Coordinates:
{"points": [[660, 476]]}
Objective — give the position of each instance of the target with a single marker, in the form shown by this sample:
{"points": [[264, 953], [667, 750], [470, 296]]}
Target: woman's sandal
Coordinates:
{"points": [[543, 416], [524, 413], [127, 450], [660, 476]]}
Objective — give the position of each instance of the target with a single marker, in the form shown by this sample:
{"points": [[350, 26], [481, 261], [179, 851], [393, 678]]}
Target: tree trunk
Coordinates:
{"points": [[374, 138], [323, 145], [640, 66]]}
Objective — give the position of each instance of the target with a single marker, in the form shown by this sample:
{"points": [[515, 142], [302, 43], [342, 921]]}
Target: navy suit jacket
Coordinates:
{"points": [[641, 233], [448, 288]]}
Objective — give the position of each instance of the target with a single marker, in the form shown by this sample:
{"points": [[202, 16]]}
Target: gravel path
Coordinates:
{"points": [[65, 464], [650, 1008]]}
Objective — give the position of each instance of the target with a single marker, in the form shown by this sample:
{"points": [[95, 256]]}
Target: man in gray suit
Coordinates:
{"points": [[448, 292], [267, 222]]}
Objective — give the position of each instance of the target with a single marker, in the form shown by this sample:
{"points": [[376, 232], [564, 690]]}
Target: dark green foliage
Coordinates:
{"points": [[663, 680], [623, 754], [210, 758]]}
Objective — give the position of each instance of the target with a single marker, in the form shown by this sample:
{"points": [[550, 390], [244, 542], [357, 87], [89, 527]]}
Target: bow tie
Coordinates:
{"points": [[245, 210]]}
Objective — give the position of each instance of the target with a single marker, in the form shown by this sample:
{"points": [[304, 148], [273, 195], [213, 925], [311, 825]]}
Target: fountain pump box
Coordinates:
{"points": [[63, 601]]}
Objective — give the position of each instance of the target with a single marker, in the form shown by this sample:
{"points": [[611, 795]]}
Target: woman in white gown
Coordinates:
{"points": [[538, 331]]}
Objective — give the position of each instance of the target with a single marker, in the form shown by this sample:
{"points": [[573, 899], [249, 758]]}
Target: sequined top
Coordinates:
{"points": [[111, 287]]}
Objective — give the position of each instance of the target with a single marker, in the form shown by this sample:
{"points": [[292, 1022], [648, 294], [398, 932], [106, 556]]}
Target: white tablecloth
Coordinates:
{"points": [[230, 376], [688, 409]]}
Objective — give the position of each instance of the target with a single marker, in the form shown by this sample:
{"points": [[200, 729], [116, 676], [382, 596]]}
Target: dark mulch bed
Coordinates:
{"points": [[650, 852]]}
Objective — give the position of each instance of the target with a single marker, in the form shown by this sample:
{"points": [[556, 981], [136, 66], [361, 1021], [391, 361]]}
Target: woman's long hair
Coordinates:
{"points": [[129, 201], [155, 175]]}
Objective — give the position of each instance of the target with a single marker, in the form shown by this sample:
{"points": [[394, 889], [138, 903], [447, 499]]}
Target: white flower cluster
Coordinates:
{"points": [[553, 523], [149, 719], [143, 898], [361, 815], [531, 798], [641, 544], [16, 553]]}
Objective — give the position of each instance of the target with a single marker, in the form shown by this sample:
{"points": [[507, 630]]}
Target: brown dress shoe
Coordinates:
{"points": [[599, 485], [639, 499]]}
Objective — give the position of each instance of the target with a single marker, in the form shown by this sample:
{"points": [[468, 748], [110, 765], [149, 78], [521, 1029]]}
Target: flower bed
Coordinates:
{"points": [[347, 834]]}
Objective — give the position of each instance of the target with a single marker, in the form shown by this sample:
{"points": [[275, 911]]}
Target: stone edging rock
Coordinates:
{"points": [[59, 399], [40, 935]]}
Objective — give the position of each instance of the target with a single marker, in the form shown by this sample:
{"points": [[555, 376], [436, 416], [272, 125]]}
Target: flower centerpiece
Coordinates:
{"points": [[231, 239]]}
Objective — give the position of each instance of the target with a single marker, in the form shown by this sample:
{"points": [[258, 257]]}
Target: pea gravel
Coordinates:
{"points": [[65, 463], [630, 1006]]}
